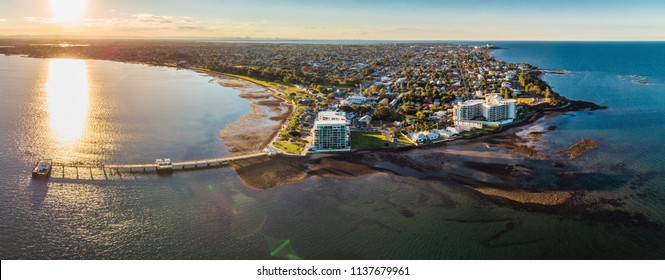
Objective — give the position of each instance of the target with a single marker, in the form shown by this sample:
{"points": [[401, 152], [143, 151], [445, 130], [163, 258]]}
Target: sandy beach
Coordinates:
{"points": [[253, 131]]}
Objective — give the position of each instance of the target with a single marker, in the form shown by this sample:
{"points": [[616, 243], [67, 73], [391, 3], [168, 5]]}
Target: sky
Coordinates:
{"points": [[578, 20]]}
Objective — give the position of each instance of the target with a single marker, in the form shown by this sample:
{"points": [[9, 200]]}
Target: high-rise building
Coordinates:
{"points": [[492, 109], [498, 109], [331, 132], [468, 110]]}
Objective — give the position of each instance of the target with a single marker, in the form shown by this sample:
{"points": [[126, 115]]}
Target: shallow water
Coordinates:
{"points": [[630, 132]]}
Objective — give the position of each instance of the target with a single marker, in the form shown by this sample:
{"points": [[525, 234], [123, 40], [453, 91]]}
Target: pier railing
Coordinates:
{"points": [[109, 169]]}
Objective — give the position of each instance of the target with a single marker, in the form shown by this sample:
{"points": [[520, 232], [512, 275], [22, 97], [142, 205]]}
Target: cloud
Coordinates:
{"points": [[162, 20], [146, 23], [244, 23], [3, 20], [40, 20]]}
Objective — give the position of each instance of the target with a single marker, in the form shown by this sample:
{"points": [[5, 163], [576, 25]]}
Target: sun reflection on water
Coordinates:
{"points": [[67, 98]]}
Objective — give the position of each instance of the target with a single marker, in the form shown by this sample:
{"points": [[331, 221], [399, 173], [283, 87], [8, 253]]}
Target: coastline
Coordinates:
{"points": [[493, 174], [269, 111], [256, 130], [268, 108], [595, 192]]}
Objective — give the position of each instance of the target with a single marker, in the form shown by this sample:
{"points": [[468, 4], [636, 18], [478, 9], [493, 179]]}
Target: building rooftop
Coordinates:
{"points": [[330, 115], [330, 122], [471, 102]]}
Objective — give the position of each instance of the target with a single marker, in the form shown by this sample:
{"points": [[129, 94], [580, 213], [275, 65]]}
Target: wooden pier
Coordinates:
{"points": [[85, 170]]}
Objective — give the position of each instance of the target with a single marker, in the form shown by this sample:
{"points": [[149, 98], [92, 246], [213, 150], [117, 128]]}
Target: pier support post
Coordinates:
{"points": [[91, 178], [77, 172]]}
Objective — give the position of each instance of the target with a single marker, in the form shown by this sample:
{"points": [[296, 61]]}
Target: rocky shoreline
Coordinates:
{"points": [[505, 168]]}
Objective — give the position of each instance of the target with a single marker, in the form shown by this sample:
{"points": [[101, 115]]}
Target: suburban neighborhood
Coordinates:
{"points": [[349, 97]]}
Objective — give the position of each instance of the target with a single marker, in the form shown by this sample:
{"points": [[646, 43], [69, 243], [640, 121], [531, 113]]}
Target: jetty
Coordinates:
{"points": [[85, 170]]}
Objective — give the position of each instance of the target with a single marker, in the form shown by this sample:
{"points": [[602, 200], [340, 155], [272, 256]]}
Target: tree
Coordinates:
{"points": [[321, 104], [381, 112], [420, 115], [384, 102], [393, 131], [548, 93], [505, 92], [364, 109]]}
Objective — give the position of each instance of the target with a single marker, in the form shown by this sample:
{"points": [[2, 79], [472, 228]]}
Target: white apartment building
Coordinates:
{"points": [[468, 110], [356, 99], [331, 132], [492, 109], [497, 109]]}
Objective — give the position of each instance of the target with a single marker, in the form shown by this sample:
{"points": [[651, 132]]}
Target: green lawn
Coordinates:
{"points": [[478, 132], [289, 147], [525, 100], [367, 140], [285, 88]]}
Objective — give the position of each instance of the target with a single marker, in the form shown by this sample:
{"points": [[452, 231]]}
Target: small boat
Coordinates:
{"points": [[164, 166], [42, 168]]}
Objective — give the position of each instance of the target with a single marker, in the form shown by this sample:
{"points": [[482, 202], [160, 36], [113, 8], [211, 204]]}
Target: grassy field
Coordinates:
{"points": [[289, 147], [525, 100], [367, 140], [278, 86], [478, 132], [285, 88]]}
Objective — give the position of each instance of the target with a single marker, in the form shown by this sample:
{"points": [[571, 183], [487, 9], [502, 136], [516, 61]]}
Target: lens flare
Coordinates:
{"points": [[68, 11]]}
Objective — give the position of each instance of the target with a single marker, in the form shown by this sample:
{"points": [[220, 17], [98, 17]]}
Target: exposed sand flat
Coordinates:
{"points": [[548, 198], [471, 153], [253, 131], [580, 148], [274, 172], [543, 198], [280, 170]]}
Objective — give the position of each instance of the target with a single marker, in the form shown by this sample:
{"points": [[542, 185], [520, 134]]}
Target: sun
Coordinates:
{"points": [[68, 11]]}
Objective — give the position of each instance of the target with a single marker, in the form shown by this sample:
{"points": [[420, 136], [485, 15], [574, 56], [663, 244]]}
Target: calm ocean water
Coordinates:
{"points": [[127, 112], [631, 130]]}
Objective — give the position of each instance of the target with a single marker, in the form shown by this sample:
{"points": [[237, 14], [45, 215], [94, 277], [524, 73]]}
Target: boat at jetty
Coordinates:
{"points": [[42, 168], [164, 165]]}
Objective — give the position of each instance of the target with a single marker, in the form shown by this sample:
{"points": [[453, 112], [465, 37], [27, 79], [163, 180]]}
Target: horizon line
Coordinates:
{"points": [[181, 38]]}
